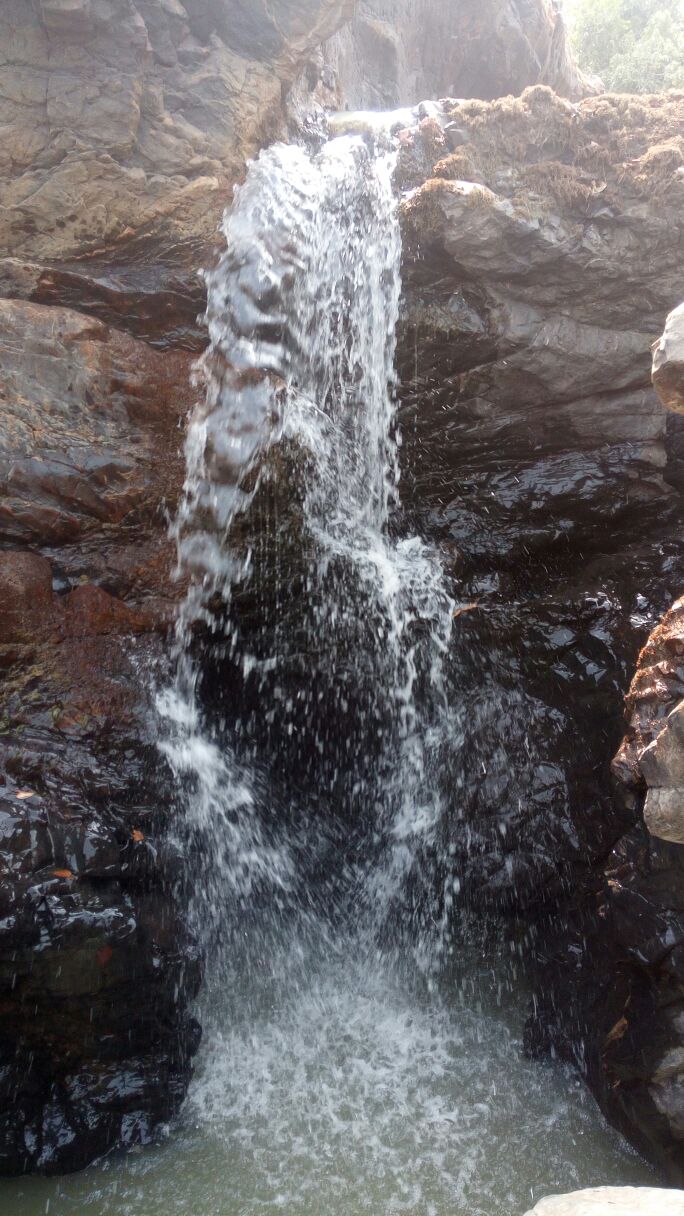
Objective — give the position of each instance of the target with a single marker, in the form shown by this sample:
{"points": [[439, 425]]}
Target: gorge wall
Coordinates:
{"points": [[629, 1018], [535, 452]]}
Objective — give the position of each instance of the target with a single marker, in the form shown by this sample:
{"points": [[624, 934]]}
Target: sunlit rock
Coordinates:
{"points": [[613, 1201], [668, 362]]}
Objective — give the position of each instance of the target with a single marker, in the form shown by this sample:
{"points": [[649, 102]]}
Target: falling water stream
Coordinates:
{"points": [[362, 1050]]}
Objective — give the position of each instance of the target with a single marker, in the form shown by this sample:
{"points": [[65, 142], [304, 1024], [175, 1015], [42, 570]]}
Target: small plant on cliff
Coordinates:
{"points": [[635, 46]]}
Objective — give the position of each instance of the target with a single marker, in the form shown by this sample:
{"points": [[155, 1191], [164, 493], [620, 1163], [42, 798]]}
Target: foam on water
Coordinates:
{"points": [[328, 1085]]}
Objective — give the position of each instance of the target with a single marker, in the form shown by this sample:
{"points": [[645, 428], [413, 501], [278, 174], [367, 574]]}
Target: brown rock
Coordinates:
{"points": [[85, 408], [25, 594]]}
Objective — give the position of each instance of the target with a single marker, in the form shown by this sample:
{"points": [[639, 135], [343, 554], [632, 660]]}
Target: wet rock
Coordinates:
{"points": [[97, 968], [534, 388], [126, 124], [535, 451], [613, 1201], [624, 1023], [668, 362], [89, 914], [26, 582]]}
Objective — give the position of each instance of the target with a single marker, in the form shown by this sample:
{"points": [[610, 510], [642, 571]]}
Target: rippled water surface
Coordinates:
{"points": [[327, 1085]]}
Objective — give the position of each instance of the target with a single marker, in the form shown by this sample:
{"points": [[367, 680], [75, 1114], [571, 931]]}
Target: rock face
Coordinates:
{"points": [[537, 452], [625, 1023], [123, 117], [127, 119], [126, 124], [613, 1201], [124, 127], [96, 966], [396, 53]]}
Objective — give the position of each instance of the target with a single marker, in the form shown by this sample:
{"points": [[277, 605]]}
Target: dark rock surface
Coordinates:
{"points": [[537, 452], [624, 1023], [96, 966], [612, 996]]}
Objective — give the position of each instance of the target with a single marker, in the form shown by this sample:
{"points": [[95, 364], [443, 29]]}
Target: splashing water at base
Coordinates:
{"points": [[336, 1075], [334, 1087]]}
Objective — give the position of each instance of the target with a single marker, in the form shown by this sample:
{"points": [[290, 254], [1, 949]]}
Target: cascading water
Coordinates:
{"points": [[334, 1069], [302, 318], [310, 729]]}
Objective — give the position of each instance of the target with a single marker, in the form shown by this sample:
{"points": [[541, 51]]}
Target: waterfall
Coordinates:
{"points": [[353, 1056], [302, 316], [356, 1057]]}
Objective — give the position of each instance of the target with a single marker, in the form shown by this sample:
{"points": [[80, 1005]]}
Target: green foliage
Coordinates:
{"points": [[635, 46]]}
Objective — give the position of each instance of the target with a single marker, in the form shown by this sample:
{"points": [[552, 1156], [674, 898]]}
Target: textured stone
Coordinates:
{"points": [[25, 591], [664, 813], [662, 766], [397, 52], [86, 412], [612, 1201], [611, 994], [529, 415], [125, 118]]}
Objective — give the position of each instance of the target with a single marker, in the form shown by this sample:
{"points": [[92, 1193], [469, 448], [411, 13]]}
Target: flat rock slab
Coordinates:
{"points": [[613, 1201]]}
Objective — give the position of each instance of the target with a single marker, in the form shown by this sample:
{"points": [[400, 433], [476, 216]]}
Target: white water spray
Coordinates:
{"points": [[302, 318], [333, 1073]]}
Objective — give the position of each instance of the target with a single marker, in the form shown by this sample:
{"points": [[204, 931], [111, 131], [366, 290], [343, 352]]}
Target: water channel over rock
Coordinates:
{"points": [[362, 1031]]}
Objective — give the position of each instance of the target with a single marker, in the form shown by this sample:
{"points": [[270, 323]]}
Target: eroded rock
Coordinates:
{"points": [[97, 968], [533, 378], [393, 53], [84, 409]]}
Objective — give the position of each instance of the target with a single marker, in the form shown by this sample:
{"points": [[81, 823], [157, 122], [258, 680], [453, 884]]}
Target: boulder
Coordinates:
{"points": [[668, 362], [612, 1201]]}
